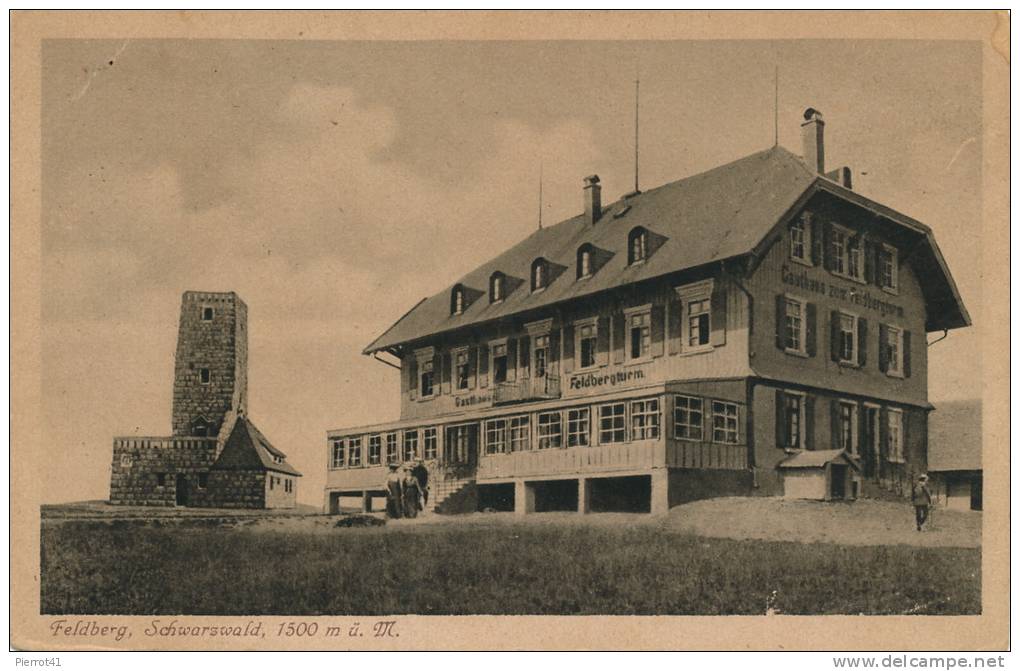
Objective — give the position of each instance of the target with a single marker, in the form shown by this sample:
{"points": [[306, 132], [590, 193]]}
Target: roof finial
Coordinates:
{"points": [[775, 110]]}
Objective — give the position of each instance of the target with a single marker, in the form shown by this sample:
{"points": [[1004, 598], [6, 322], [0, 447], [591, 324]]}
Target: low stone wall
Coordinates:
{"points": [[236, 489], [138, 463]]}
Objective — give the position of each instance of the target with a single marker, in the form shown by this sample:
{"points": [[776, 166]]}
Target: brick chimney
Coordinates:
{"points": [[812, 132], [592, 199]]}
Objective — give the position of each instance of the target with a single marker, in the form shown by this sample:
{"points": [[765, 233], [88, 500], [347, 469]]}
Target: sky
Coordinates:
{"points": [[334, 184]]}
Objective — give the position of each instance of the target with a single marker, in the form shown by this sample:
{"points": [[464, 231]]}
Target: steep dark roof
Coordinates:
{"points": [[723, 213], [247, 449], [954, 436]]}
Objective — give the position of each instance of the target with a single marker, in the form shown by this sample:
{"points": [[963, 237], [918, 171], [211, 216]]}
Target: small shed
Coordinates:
{"points": [[822, 475], [954, 454]]}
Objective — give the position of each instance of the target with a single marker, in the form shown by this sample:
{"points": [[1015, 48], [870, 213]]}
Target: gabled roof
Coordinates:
{"points": [[723, 213], [817, 459], [954, 436], [247, 449]]}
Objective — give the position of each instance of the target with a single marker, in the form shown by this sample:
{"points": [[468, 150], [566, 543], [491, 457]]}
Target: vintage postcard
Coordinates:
{"points": [[497, 330]]}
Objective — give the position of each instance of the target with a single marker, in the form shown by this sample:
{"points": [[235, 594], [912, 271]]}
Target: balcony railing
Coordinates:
{"points": [[527, 389]]}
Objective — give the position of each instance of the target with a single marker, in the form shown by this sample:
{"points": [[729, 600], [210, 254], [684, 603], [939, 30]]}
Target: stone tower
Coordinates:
{"points": [[211, 364]]}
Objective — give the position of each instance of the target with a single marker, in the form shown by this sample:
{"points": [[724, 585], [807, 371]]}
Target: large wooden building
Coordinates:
{"points": [[757, 329]]}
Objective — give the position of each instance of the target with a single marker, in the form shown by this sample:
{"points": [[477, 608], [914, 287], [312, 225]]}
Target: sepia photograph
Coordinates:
{"points": [[341, 332]]}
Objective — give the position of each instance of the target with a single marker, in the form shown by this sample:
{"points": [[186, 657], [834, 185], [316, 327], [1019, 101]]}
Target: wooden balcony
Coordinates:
{"points": [[622, 457], [526, 389]]}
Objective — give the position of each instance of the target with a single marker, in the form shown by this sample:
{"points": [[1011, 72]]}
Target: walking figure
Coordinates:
{"points": [[412, 494], [394, 494], [920, 496]]}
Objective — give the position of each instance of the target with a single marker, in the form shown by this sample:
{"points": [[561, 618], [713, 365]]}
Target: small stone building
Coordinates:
{"points": [[215, 457]]}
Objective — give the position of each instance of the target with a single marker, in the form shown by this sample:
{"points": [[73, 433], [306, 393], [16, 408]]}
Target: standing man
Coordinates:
{"points": [[412, 492], [394, 493], [421, 474], [920, 496]]}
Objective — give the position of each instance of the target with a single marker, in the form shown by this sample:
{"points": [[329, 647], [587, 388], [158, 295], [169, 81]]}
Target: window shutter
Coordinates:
{"points": [[619, 337], [412, 378], [834, 335], [827, 246], [602, 344], [781, 436], [483, 366], [511, 360], [811, 330], [862, 342], [906, 353], [447, 374], [673, 325], [525, 348], [472, 367], [864, 450], [883, 351], [869, 261], [809, 422], [567, 364], [780, 321], [883, 432], [817, 243], [554, 351], [718, 315], [659, 330], [836, 436]]}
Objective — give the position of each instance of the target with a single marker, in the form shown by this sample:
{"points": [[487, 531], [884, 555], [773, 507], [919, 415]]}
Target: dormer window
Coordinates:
{"points": [[497, 287], [637, 246], [457, 302], [584, 261], [539, 274]]}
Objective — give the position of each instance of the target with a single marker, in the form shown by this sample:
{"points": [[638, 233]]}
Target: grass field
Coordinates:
{"points": [[200, 567]]}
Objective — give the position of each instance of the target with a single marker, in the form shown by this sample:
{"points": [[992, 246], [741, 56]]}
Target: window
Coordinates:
{"points": [[640, 334], [800, 246], [688, 418], [837, 250], [893, 351], [539, 274], [724, 422], [846, 339], [495, 436], [697, 301], [793, 418], [637, 246], [375, 450], [612, 423], [888, 268], [578, 427], [699, 326], [161, 479], [584, 254], [550, 430], [794, 329], [200, 428], [287, 485], [457, 303], [644, 419], [126, 461], [207, 313], [391, 448], [462, 365], [895, 433], [587, 341], [497, 287], [848, 427], [203, 480], [520, 433], [354, 452], [338, 454], [203, 375], [410, 444], [272, 481], [499, 362], [541, 357], [854, 267], [431, 443], [427, 376]]}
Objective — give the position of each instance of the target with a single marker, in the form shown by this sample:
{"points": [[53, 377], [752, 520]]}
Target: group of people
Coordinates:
{"points": [[407, 490]]}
